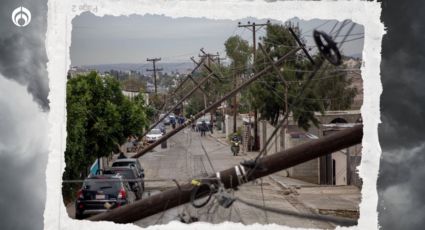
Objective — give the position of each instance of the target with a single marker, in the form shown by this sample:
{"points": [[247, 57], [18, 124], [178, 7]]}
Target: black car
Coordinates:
{"points": [[101, 193], [130, 174], [128, 162]]}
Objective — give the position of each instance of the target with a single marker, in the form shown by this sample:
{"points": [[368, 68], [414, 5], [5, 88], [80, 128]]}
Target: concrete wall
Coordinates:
{"points": [[265, 131], [340, 159], [308, 171]]}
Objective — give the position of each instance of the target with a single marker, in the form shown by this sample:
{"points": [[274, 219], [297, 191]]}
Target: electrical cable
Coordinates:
{"points": [[194, 195]]}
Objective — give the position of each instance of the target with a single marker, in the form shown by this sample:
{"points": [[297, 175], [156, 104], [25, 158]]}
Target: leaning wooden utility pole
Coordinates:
{"points": [[214, 105], [253, 27], [219, 59], [180, 102], [154, 60], [189, 76], [235, 176], [209, 57]]}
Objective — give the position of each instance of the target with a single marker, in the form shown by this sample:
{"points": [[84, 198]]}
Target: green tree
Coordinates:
{"points": [[238, 50], [99, 118], [270, 88]]}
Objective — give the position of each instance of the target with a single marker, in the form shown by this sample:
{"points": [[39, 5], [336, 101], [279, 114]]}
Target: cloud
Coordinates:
{"points": [[400, 184], [22, 54], [23, 157], [401, 188]]}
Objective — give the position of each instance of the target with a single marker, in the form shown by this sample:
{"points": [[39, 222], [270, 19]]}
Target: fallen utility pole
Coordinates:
{"points": [[213, 58], [189, 76], [193, 80], [179, 102], [235, 176], [214, 105]]}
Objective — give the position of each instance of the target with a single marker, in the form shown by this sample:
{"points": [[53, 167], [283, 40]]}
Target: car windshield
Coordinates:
{"points": [[111, 186], [155, 131], [126, 173], [122, 163]]}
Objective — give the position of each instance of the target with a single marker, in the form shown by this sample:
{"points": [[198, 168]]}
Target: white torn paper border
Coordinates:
{"points": [[58, 42]]}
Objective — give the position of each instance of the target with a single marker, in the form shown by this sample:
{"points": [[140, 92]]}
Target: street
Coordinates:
{"points": [[307, 174], [184, 158]]}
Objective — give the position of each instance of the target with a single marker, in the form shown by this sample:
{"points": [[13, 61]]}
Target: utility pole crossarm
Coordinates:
{"points": [[154, 70], [213, 58]]}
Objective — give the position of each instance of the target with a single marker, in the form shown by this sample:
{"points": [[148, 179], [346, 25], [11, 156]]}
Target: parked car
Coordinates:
{"points": [[166, 120], [161, 127], [153, 135], [101, 193], [128, 162], [130, 174]]}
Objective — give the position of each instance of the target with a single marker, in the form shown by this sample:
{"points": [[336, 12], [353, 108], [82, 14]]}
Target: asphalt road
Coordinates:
{"points": [[186, 157]]}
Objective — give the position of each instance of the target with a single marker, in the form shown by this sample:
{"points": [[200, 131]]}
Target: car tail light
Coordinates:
{"points": [[122, 194], [80, 194], [81, 206]]}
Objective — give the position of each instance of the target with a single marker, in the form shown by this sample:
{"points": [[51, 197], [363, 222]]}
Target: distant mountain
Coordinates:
{"points": [[184, 67]]}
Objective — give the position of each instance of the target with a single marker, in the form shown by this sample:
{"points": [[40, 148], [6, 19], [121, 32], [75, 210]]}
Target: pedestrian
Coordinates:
{"points": [[204, 128], [211, 126]]}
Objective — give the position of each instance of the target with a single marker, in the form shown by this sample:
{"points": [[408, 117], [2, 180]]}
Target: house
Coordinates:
{"points": [[338, 168]]}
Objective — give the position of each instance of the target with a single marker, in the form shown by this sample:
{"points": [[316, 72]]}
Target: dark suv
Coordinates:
{"points": [[130, 174], [128, 162], [101, 193]]}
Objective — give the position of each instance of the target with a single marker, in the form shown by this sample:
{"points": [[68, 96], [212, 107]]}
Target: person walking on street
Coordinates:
{"points": [[204, 128]]}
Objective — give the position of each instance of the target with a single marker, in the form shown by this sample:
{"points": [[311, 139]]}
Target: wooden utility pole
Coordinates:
{"points": [[235, 176], [209, 56], [154, 60], [218, 59], [178, 103], [253, 27], [232, 93], [197, 86], [235, 105]]}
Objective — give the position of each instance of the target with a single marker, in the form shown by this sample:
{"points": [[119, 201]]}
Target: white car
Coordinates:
{"points": [[153, 135]]}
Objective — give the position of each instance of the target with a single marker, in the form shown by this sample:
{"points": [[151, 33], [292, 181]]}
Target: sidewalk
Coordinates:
{"points": [[219, 136], [322, 199]]}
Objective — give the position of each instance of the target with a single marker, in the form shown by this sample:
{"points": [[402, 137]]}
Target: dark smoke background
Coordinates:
{"points": [[23, 117], [24, 106], [401, 184], [22, 52]]}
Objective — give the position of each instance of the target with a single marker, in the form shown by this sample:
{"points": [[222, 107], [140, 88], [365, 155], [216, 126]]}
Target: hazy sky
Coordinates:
{"points": [[108, 40]]}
